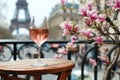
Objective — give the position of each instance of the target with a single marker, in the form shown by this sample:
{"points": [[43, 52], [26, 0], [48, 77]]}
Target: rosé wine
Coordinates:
{"points": [[39, 36]]}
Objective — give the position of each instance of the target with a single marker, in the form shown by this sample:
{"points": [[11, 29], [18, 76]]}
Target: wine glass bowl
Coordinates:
{"points": [[39, 36]]}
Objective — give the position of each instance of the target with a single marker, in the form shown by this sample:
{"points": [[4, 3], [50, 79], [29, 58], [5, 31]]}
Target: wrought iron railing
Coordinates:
{"points": [[14, 47]]}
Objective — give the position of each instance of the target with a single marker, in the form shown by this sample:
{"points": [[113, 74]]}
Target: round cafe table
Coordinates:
{"points": [[60, 67]]}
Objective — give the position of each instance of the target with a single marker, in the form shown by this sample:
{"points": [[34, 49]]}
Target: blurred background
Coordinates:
{"points": [[16, 16]]}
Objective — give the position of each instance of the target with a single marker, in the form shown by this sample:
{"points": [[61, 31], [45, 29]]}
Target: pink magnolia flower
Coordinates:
{"points": [[88, 33], [98, 40], [93, 62], [116, 5], [109, 3], [88, 22], [65, 32], [104, 58], [71, 45], [62, 50], [92, 15], [100, 18], [73, 39], [83, 12], [63, 2], [58, 56], [69, 28], [65, 25], [89, 6]]}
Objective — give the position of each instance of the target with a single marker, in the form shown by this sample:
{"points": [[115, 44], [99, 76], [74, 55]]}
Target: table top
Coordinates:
{"points": [[25, 67]]}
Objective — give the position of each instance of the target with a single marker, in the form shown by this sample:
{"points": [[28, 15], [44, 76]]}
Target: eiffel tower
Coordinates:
{"points": [[18, 22]]}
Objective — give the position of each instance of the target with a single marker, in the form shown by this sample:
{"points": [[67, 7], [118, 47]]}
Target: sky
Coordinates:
{"points": [[37, 8]]}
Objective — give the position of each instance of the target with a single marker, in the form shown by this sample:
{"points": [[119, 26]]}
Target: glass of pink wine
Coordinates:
{"points": [[39, 36]]}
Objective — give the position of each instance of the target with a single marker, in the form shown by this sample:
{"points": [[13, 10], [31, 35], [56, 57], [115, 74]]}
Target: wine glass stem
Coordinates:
{"points": [[39, 53]]}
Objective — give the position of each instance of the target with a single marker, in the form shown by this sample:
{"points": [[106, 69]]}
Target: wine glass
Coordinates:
{"points": [[39, 36]]}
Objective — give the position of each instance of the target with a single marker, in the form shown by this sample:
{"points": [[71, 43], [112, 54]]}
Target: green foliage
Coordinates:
{"points": [[5, 33]]}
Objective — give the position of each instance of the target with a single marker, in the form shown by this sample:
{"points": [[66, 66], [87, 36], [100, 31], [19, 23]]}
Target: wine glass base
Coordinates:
{"points": [[39, 64]]}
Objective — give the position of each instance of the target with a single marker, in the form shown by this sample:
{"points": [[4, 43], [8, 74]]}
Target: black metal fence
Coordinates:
{"points": [[15, 46]]}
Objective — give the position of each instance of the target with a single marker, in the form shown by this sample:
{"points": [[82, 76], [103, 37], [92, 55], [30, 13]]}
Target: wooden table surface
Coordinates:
{"points": [[61, 67]]}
